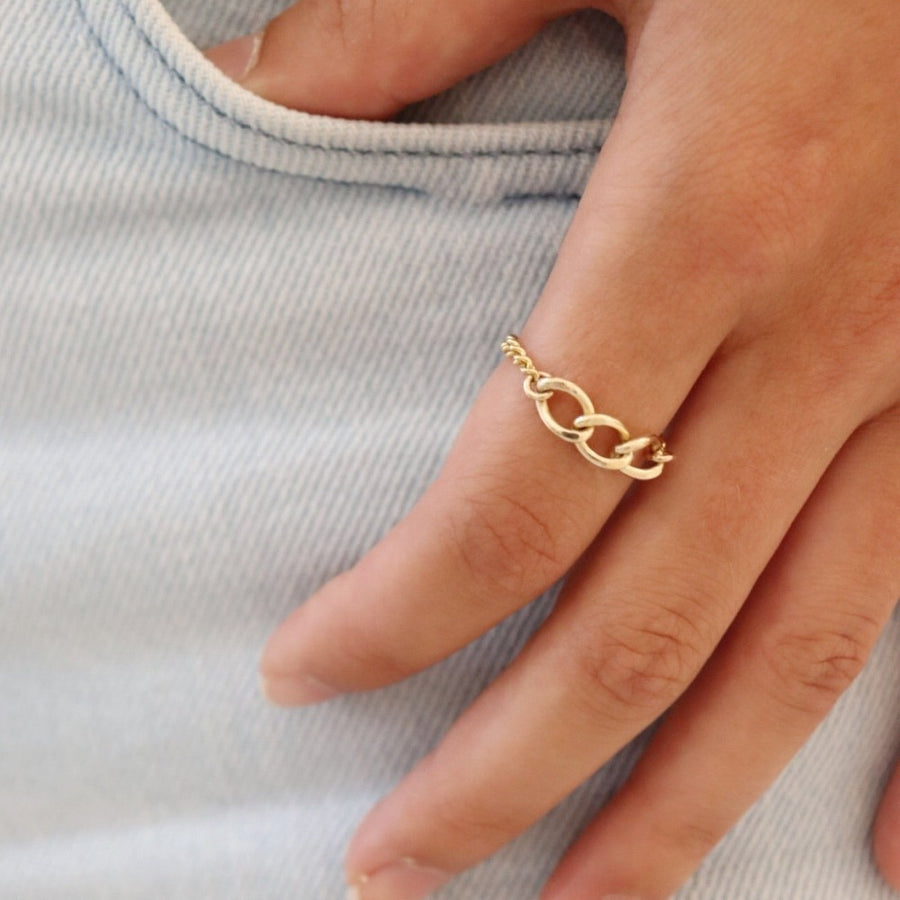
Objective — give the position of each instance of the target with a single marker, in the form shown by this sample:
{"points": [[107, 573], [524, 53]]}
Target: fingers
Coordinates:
{"points": [[803, 635], [887, 833], [514, 506], [638, 289], [639, 616], [511, 511], [370, 58]]}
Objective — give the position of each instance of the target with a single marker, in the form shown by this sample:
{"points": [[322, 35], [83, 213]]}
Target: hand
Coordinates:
{"points": [[732, 275]]}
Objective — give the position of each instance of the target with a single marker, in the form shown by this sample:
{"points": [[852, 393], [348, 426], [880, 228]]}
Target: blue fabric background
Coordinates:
{"points": [[236, 343]]}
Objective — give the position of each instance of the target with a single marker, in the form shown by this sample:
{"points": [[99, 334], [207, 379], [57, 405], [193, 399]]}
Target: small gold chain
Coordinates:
{"points": [[540, 387], [516, 352]]}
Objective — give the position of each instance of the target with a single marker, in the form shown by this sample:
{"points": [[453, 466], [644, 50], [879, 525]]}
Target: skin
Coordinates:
{"points": [[731, 276]]}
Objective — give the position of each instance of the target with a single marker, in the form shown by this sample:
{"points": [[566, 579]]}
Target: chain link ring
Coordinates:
{"points": [[540, 387]]}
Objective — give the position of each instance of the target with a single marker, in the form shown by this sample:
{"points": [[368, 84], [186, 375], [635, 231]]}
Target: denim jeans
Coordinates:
{"points": [[236, 343]]}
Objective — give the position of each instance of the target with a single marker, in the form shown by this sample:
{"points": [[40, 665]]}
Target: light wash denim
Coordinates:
{"points": [[236, 343]]}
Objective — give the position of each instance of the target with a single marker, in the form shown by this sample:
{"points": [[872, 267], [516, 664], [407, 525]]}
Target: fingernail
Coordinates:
{"points": [[238, 57], [299, 690], [403, 880]]}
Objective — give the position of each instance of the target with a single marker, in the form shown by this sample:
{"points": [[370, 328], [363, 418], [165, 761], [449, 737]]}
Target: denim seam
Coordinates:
{"points": [[360, 151], [324, 179]]}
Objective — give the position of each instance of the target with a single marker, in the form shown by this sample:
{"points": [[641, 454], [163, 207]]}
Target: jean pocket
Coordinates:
{"points": [[467, 161]]}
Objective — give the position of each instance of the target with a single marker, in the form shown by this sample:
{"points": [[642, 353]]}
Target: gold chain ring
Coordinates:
{"points": [[540, 387]]}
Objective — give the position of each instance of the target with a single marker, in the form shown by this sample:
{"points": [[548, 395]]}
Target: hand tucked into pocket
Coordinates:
{"points": [[731, 277]]}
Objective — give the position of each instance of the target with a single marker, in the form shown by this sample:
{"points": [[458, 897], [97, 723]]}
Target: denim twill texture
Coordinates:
{"points": [[236, 343]]}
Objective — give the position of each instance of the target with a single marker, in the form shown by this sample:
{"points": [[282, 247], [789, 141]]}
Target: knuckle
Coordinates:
{"points": [[471, 823], [642, 663], [692, 839], [792, 192], [463, 819], [352, 21], [871, 330], [811, 669], [783, 191], [505, 543], [363, 650], [360, 653], [364, 30]]}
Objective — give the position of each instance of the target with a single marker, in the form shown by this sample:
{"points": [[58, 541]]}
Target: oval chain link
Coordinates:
{"points": [[540, 386]]}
